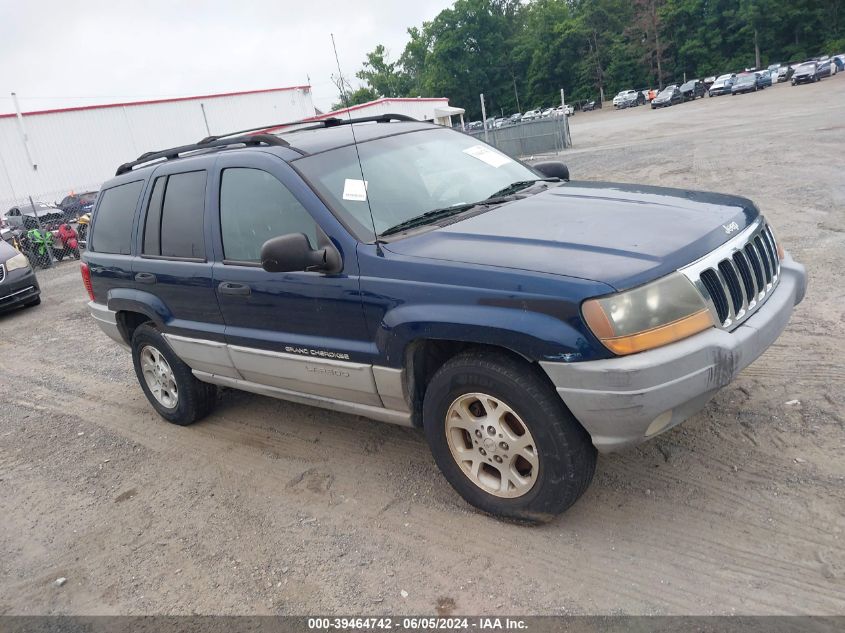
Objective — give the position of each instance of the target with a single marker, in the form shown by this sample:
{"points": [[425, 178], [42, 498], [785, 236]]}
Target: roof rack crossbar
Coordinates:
{"points": [[175, 152]]}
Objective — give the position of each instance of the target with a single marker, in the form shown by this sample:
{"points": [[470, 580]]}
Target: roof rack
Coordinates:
{"points": [[242, 138], [211, 142], [314, 124]]}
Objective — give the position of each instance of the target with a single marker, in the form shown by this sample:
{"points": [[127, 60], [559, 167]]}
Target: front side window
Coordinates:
{"points": [[112, 229], [254, 207], [409, 174]]}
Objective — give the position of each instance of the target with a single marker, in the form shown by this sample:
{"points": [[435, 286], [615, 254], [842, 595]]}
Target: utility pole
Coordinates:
{"points": [[516, 94], [484, 116], [22, 130]]}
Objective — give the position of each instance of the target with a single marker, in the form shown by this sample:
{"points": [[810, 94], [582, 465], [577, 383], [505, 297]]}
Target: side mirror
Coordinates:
{"points": [[552, 169], [293, 253]]}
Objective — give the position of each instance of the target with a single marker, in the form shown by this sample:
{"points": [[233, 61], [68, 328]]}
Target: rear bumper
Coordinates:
{"points": [[107, 320], [17, 288], [624, 401]]}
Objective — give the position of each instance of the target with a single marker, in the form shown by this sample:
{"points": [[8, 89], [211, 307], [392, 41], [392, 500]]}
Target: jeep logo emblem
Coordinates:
{"points": [[730, 228]]}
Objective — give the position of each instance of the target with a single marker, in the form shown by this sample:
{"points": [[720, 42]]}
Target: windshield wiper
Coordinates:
{"points": [[519, 185], [428, 217], [437, 214]]}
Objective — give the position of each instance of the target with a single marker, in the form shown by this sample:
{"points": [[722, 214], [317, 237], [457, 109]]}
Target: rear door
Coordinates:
{"points": [[299, 331], [172, 243]]}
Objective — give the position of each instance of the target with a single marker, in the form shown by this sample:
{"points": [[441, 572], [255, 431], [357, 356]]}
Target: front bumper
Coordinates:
{"points": [[17, 288], [624, 401]]}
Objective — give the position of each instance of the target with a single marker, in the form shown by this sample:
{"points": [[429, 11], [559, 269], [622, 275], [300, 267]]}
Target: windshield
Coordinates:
{"points": [[408, 175], [745, 79], [723, 77], [807, 66]]}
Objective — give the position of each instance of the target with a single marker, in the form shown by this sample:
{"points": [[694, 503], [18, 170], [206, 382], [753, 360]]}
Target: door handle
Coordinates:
{"points": [[145, 278], [230, 288]]}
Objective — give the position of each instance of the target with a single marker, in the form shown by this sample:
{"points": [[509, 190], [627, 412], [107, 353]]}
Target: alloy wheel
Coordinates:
{"points": [[492, 445], [159, 377]]}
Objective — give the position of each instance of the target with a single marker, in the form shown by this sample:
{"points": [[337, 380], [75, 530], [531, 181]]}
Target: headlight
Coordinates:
{"points": [[658, 313], [18, 261]]}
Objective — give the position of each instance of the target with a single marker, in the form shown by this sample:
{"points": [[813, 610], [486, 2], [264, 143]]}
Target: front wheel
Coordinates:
{"points": [[167, 381], [503, 438]]}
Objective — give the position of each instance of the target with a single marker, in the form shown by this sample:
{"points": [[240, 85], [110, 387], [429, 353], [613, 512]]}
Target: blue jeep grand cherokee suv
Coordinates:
{"points": [[522, 320]]}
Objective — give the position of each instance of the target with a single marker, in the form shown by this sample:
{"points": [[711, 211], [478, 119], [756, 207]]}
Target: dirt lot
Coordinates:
{"points": [[270, 507]]}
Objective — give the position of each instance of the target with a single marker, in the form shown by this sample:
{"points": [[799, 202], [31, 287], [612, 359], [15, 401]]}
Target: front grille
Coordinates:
{"points": [[739, 276], [2, 272]]}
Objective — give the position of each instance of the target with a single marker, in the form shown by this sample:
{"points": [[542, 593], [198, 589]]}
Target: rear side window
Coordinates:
{"points": [[255, 206], [112, 230], [174, 224]]}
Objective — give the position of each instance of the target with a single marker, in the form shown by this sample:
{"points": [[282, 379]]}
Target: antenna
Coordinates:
{"points": [[355, 143]]}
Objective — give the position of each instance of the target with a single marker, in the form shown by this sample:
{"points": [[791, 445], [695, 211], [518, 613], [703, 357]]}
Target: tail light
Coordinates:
{"points": [[86, 279]]}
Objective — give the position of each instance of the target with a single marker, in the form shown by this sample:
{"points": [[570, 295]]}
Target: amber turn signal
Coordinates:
{"points": [[662, 335]]}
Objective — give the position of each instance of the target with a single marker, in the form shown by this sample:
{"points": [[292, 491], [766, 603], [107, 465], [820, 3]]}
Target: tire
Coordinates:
{"points": [[192, 399], [563, 456]]}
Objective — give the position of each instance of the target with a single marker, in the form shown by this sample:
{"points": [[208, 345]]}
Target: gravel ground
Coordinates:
{"points": [[275, 508]]}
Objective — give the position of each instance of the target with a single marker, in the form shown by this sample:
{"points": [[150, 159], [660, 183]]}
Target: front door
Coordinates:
{"points": [[298, 331]]}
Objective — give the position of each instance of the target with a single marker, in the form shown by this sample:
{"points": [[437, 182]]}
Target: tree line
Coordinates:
{"points": [[520, 54]]}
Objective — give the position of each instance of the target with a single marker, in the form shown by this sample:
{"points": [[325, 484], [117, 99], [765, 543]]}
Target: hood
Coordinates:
{"points": [[620, 235]]}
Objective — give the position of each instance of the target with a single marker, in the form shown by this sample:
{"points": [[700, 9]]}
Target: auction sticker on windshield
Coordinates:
{"points": [[355, 189], [487, 155]]}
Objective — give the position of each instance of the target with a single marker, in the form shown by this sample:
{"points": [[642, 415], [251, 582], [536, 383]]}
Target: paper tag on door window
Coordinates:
{"points": [[487, 155], [355, 189]]}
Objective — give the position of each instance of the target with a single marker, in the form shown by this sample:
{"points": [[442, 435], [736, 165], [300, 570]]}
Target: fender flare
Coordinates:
{"points": [[129, 300], [533, 335]]}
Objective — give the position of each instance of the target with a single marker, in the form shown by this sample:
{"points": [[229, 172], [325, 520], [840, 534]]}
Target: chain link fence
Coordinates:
{"points": [[47, 232], [540, 136]]}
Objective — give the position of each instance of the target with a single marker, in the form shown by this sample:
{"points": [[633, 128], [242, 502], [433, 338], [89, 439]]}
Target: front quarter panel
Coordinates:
{"points": [[536, 315]]}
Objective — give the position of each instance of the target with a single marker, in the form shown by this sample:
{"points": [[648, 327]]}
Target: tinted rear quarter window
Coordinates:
{"points": [[112, 229]]}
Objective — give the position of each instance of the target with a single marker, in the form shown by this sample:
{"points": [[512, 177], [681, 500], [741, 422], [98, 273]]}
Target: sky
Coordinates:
{"points": [[57, 54]]}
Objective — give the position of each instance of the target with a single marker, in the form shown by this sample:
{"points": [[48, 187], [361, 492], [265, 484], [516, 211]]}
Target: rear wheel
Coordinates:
{"points": [[504, 439], [167, 381]]}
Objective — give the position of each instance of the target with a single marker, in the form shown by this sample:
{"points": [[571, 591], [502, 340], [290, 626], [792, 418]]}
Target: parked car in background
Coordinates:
{"points": [[824, 68], [624, 98], [76, 204], [805, 73], [764, 78], [784, 73], [499, 122], [722, 85], [531, 115], [516, 117], [709, 81], [670, 95], [588, 106], [18, 284], [692, 89], [745, 82], [839, 60], [26, 218]]}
